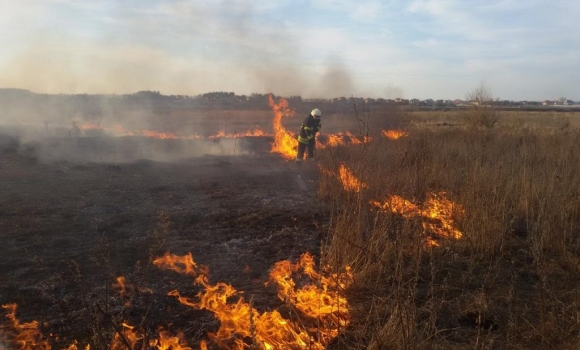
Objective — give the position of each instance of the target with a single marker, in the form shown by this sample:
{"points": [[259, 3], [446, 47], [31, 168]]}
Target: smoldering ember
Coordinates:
{"points": [[146, 221]]}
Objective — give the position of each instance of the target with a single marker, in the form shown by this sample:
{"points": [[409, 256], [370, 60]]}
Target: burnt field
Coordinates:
{"points": [[423, 231], [77, 213]]}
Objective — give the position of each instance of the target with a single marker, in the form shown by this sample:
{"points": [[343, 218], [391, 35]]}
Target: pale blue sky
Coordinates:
{"points": [[441, 49]]}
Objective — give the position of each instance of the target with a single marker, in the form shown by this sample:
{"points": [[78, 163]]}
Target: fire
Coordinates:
{"points": [[437, 214], [167, 341], [257, 132], [343, 138], [181, 264], [284, 142], [26, 336], [22, 335], [394, 134], [442, 211], [321, 301], [119, 130], [334, 140], [355, 140], [323, 308], [90, 126], [160, 135], [349, 181], [130, 336]]}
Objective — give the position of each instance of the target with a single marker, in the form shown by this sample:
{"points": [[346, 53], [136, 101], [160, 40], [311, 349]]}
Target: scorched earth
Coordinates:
{"points": [[78, 238]]}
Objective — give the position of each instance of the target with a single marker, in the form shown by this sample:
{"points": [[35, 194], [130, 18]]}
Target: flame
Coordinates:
{"points": [[321, 301], [355, 140], [122, 286], [343, 138], [324, 306], [130, 336], [319, 311], [437, 214], [167, 341], [334, 140], [284, 142], [349, 181], [119, 130], [394, 134], [74, 346], [181, 264], [160, 135], [257, 132], [442, 211], [23, 336], [90, 126]]}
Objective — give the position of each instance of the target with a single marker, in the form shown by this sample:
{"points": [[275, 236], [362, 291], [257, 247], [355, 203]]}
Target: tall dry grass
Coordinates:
{"points": [[512, 280]]}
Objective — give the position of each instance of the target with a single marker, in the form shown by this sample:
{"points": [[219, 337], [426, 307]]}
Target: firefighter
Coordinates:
{"points": [[307, 136]]}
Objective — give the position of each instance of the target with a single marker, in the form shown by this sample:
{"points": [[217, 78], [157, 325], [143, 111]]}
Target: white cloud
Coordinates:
{"points": [[367, 11], [425, 48]]}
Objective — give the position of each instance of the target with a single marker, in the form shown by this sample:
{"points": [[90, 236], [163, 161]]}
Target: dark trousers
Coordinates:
{"points": [[302, 148]]}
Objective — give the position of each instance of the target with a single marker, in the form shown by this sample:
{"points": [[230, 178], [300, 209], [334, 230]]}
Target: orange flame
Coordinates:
{"points": [[437, 214], [394, 134], [90, 126], [334, 140], [166, 341], [130, 335], [181, 264], [22, 335], [257, 132], [160, 135], [284, 142], [239, 320], [321, 300], [343, 138], [349, 181], [119, 130], [442, 211]]}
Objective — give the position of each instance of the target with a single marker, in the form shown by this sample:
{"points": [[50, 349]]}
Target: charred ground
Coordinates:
{"points": [[69, 228]]}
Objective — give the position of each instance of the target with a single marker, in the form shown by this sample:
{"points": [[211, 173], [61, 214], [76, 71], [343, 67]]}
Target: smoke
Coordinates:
{"points": [[112, 150], [393, 92], [336, 80], [176, 48], [78, 146]]}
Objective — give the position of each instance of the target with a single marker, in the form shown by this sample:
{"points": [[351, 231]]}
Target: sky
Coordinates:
{"points": [[440, 49]]}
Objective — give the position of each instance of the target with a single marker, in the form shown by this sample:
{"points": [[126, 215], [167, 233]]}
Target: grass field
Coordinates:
{"points": [[510, 282], [463, 233]]}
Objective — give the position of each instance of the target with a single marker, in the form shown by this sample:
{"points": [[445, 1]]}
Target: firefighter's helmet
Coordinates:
{"points": [[316, 113]]}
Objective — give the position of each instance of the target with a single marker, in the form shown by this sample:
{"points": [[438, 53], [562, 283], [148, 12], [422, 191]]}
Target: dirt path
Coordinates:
{"points": [[68, 229]]}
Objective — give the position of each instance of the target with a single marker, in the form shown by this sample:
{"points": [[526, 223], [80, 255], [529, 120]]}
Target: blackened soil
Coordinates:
{"points": [[68, 229]]}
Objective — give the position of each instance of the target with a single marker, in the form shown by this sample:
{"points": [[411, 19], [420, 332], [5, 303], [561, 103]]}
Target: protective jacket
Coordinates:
{"points": [[310, 126]]}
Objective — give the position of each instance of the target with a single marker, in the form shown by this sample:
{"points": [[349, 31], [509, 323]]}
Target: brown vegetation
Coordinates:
{"points": [[461, 233], [510, 282]]}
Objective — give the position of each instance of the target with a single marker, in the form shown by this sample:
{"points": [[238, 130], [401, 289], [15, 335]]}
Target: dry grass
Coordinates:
{"points": [[511, 282]]}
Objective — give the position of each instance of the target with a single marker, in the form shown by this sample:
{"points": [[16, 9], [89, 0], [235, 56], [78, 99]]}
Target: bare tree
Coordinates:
{"points": [[482, 113]]}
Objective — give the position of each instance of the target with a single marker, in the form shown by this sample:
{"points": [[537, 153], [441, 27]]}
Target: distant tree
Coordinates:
{"points": [[562, 100], [482, 112]]}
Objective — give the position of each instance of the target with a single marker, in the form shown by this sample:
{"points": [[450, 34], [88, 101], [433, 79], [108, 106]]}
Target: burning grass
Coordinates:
{"points": [[473, 241], [316, 312], [457, 238]]}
